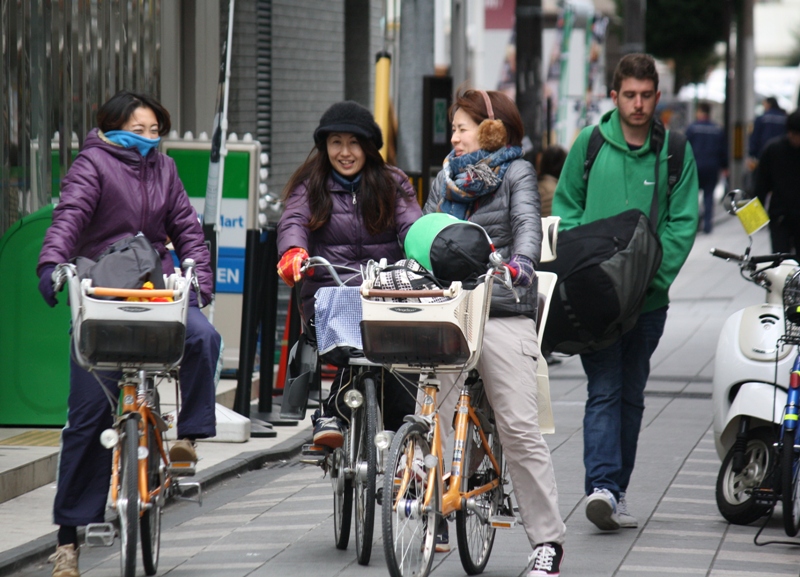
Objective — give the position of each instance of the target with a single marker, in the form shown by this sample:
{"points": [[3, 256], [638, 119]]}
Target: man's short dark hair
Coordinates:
{"points": [[793, 121], [638, 66], [704, 107], [772, 102]]}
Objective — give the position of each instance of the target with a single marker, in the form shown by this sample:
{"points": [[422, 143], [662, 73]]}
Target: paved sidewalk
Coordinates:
{"points": [[672, 491]]}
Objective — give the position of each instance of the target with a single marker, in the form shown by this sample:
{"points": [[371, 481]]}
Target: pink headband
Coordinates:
{"points": [[488, 102]]}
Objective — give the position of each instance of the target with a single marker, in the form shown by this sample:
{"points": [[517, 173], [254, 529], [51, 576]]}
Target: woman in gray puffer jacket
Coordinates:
{"points": [[486, 181], [120, 185], [346, 205]]}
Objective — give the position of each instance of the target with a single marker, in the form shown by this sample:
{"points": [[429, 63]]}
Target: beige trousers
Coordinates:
{"points": [[508, 369]]}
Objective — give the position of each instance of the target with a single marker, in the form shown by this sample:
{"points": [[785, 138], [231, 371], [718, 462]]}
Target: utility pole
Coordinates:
{"points": [[458, 42], [528, 35], [634, 26], [744, 96]]}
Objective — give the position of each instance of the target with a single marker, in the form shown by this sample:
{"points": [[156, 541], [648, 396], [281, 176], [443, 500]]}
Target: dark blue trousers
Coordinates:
{"points": [[617, 378], [84, 467]]}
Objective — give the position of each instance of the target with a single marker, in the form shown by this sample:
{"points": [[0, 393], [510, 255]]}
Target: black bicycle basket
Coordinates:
{"points": [[791, 309]]}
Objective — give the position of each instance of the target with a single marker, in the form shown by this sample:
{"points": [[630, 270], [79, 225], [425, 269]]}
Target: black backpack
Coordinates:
{"points": [[605, 267]]}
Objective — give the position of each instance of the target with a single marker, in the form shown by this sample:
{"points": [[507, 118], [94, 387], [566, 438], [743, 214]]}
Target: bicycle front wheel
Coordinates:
{"points": [[128, 500], [342, 497], [409, 523], [474, 531], [366, 472], [790, 488], [151, 518]]}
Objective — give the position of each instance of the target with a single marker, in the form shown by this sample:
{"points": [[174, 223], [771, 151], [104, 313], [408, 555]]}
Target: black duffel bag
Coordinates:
{"points": [[604, 269]]}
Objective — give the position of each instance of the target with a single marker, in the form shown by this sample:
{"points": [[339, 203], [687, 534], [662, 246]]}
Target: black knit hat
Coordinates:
{"points": [[348, 116]]}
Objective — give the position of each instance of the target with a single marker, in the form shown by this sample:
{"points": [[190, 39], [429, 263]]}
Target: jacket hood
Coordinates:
{"points": [[611, 130], [96, 139]]}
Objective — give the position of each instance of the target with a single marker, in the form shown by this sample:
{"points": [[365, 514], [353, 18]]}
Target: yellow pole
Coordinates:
{"points": [[382, 77]]}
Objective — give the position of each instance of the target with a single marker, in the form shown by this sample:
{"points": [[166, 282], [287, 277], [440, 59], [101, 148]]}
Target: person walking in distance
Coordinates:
{"points": [[621, 178], [771, 124], [778, 186], [711, 154]]}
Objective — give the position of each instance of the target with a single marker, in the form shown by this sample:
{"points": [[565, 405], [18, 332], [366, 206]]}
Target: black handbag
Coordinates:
{"points": [[126, 264]]}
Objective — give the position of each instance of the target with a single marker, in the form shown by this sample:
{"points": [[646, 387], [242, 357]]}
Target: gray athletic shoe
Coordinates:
{"points": [[601, 509], [626, 520]]}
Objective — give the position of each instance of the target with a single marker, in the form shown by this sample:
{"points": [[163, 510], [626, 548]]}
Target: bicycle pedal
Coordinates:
{"points": [[313, 454], [184, 487], [99, 535], [182, 468], [502, 521], [763, 496]]}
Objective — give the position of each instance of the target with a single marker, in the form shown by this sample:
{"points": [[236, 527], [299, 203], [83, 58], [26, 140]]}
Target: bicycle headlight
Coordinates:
{"points": [[383, 440], [353, 399], [109, 438]]}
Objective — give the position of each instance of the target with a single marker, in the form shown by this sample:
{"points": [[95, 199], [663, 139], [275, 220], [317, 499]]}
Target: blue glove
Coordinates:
{"points": [[522, 272], [46, 285]]}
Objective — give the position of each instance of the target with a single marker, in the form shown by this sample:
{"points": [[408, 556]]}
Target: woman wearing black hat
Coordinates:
{"points": [[347, 205]]}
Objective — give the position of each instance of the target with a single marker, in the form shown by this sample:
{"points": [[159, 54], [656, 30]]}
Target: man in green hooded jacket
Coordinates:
{"points": [[622, 177]]}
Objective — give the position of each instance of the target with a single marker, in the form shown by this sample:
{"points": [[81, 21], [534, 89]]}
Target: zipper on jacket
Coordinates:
{"points": [[143, 188]]}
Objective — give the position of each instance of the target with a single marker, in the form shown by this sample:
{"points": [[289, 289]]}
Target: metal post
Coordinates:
{"points": [[634, 26], [529, 67], [745, 97], [269, 297]]}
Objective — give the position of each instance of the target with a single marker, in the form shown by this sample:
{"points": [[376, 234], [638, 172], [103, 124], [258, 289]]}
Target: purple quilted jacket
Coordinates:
{"points": [[112, 192], [343, 240]]}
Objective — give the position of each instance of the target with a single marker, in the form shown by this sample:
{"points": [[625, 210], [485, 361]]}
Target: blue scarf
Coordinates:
{"points": [[132, 140], [471, 176]]}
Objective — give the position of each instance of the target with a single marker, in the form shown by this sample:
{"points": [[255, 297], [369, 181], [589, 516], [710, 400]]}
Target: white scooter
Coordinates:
{"points": [[751, 377]]}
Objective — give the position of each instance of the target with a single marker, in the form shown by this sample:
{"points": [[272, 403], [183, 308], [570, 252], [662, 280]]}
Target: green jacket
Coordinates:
{"points": [[621, 179]]}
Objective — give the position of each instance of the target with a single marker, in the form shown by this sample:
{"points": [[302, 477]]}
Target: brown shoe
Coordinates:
{"points": [[65, 560], [182, 451]]}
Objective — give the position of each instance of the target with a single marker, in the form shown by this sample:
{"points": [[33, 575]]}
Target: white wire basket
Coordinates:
{"points": [[119, 334], [419, 336]]}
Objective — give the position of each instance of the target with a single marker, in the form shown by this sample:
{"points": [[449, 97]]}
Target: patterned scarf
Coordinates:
{"points": [[471, 176]]}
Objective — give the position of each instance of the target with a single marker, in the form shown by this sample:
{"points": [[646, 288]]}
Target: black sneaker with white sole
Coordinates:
{"points": [[546, 560]]}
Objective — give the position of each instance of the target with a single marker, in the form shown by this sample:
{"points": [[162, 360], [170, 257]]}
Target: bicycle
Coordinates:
{"points": [[355, 466], [144, 341], [789, 443], [445, 337]]}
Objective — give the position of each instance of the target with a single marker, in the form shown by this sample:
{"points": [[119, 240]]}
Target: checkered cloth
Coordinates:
{"points": [[337, 318]]}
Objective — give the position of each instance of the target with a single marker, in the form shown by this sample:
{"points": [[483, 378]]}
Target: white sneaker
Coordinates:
{"points": [[601, 509], [626, 520]]}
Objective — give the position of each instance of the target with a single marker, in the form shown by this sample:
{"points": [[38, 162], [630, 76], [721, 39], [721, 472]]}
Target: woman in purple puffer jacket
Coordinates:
{"points": [[347, 205], [118, 186]]}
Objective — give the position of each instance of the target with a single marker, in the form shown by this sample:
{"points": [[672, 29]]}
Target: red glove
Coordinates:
{"points": [[289, 266]]}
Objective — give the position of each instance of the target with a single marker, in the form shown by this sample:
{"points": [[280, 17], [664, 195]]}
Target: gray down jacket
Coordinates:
{"points": [[511, 217]]}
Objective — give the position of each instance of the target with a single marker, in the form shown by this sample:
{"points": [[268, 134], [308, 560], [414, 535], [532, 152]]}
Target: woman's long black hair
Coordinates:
{"points": [[378, 187]]}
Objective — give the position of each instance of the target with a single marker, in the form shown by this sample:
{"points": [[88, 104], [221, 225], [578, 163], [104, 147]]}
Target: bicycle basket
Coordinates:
{"points": [[412, 336], [791, 309], [115, 334]]}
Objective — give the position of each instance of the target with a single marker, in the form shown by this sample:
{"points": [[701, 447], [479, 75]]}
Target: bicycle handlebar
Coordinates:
{"points": [[760, 259]]}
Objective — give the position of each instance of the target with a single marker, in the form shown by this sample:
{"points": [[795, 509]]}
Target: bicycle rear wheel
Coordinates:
{"points": [[409, 526], [151, 519], [128, 500], [366, 472], [790, 488], [474, 531], [342, 496]]}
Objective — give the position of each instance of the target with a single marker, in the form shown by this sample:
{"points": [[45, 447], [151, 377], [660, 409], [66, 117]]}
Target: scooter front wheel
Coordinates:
{"points": [[735, 500]]}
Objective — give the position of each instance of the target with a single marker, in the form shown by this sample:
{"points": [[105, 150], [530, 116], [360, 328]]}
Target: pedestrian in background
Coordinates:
{"points": [[118, 186], [551, 162], [485, 180], [771, 124], [778, 186], [711, 154], [622, 178]]}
